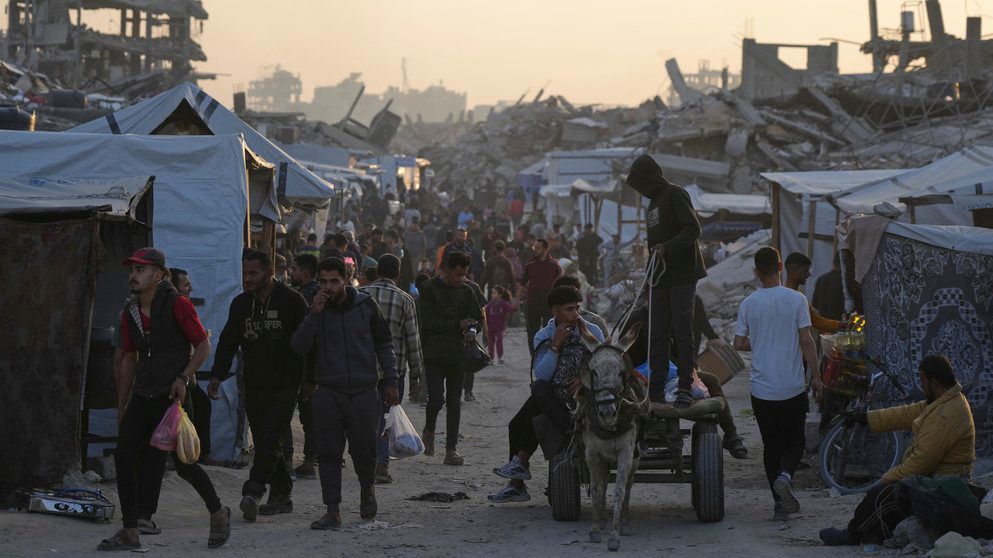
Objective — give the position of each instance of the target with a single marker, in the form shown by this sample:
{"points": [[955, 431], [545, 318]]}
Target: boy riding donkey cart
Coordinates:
{"points": [[605, 420]]}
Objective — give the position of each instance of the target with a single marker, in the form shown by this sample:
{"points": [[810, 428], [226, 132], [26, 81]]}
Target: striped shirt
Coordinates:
{"points": [[400, 312]]}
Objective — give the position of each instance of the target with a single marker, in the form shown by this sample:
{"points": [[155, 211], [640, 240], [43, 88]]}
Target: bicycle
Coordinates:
{"points": [[853, 459]]}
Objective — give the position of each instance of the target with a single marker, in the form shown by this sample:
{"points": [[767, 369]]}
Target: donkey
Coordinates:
{"points": [[609, 417]]}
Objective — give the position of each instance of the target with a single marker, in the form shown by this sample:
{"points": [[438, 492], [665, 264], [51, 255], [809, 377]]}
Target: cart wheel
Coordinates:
{"points": [[563, 489], [708, 473]]}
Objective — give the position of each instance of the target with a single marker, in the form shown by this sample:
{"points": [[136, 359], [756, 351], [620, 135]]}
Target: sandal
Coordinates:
{"points": [[219, 534], [118, 542], [148, 527]]}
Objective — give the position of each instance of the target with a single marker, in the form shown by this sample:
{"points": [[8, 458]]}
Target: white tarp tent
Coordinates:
{"points": [[113, 197], [200, 209], [292, 180], [960, 171], [803, 219], [707, 204], [199, 198]]}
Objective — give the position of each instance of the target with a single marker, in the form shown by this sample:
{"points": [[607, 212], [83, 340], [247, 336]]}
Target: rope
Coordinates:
{"points": [[653, 276]]}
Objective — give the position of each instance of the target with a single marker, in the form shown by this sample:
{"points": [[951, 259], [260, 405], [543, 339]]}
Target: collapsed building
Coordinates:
{"points": [[154, 48]]}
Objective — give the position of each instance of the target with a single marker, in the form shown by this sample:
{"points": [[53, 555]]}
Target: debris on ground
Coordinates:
{"points": [[954, 545], [440, 497]]}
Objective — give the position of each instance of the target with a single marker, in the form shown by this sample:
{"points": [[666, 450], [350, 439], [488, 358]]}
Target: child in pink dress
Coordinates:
{"points": [[498, 311]]}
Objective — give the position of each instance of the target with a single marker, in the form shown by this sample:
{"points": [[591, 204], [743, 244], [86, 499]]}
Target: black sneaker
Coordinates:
{"points": [[684, 399], [306, 470], [276, 505], [469, 397], [249, 508], [327, 521]]}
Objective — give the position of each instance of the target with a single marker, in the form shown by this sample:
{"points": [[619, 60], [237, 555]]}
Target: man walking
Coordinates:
{"points": [[261, 321], [539, 276], [774, 324], [159, 327], [673, 230], [415, 244], [346, 334], [587, 248], [450, 317], [400, 313], [303, 275], [499, 271]]}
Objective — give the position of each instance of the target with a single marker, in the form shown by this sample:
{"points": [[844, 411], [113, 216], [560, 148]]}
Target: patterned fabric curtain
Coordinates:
{"points": [[922, 300], [48, 273]]}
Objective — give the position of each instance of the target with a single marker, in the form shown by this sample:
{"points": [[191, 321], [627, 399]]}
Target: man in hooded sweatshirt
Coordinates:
{"points": [[346, 335], [673, 230]]}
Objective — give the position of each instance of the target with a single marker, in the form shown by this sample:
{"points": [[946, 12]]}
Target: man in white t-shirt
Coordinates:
{"points": [[774, 324]]}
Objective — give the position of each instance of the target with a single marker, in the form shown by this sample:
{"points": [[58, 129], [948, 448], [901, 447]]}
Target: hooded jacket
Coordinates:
{"points": [[672, 222], [944, 441], [346, 342]]}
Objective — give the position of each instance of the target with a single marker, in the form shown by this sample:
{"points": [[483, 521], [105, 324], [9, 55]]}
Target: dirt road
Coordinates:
{"points": [[663, 522]]}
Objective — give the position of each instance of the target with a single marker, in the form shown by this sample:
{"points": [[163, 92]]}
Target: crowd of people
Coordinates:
{"points": [[388, 305]]}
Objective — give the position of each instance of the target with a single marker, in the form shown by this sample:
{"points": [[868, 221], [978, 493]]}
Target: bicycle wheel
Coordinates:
{"points": [[853, 459]]}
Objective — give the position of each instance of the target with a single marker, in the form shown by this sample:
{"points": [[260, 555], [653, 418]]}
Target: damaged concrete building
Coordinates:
{"points": [[153, 48]]}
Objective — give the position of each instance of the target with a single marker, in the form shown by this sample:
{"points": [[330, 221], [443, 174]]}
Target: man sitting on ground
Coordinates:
{"points": [[559, 353], [944, 443]]}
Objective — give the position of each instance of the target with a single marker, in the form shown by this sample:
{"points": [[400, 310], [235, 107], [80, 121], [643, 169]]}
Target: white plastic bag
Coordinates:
{"points": [[403, 438], [698, 390], [986, 506]]}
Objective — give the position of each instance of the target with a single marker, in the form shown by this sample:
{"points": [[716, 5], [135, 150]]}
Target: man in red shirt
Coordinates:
{"points": [[539, 276], [156, 371]]}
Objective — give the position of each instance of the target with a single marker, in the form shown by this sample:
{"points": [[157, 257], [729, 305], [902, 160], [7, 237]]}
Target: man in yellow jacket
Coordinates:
{"points": [[944, 443]]}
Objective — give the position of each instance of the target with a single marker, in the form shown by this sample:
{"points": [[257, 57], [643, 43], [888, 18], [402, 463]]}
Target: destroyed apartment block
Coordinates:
{"points": [[155, 40]]}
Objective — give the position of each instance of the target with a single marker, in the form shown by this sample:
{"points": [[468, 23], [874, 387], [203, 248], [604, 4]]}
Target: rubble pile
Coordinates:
{"points": [[834, 124], [729, 282], [503, 145]]}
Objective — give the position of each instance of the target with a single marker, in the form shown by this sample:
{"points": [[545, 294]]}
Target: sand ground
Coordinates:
{"points": [[663, 521]]}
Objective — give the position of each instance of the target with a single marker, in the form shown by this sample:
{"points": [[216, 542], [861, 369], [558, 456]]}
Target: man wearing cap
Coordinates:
{"points": [[260, 322], [159, 327]]}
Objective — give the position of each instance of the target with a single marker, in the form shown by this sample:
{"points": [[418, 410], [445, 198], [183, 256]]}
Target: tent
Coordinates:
{"points": [[707, 204], [808, 205], [926, 290], [60, 238], [803, 219], [188, 110], [200, 214], [960, 171]]}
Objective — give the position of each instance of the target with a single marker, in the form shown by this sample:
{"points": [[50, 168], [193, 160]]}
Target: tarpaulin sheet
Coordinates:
{"points": [[921, 299], [300, 186], [48, 276], [200, 196]]}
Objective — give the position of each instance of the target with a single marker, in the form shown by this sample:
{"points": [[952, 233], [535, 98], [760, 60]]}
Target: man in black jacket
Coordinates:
{"points": [[260, 322], [347, 336], [450, 316], [673, 230], [303, 275]]}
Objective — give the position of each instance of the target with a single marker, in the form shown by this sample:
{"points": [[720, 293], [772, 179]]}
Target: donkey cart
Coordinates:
{"points": [[662, 460]]}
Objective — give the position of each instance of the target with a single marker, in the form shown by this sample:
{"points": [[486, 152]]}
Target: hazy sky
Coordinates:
{"points": [[596, 51]]}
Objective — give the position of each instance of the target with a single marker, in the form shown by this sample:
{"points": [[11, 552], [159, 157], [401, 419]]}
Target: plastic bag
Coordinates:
{"points": [[402, 437], [164, 436], [698, 390], [187, 440], [986, 506]]}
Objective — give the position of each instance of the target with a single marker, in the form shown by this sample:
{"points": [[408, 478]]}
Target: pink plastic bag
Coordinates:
{"points": [[166, 432]]}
